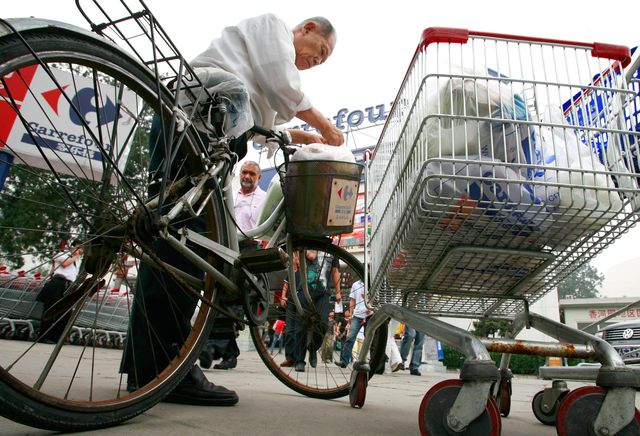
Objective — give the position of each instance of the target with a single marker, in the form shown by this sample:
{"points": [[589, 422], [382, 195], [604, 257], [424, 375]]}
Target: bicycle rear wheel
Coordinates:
{"points": [[74, 134], [319, 376]]}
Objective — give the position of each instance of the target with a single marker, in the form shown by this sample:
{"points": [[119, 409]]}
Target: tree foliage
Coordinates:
{"points": [[490, 328], [585, 282]]}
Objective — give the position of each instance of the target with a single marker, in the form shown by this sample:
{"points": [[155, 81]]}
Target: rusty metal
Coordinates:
{"points": [[515, 346]]}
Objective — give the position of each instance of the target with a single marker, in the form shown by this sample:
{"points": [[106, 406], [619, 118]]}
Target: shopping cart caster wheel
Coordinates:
{"points": [[579, 410], [546, 413], [436, 404], [358, 391], [503, 396]]}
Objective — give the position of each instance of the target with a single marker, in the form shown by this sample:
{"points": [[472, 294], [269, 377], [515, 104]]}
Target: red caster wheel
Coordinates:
{"points": [[579, 409], [358, 391], [437, 402]]}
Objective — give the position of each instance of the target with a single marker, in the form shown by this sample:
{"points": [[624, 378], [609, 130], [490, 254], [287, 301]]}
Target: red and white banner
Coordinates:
{"points": [[50, 129]]}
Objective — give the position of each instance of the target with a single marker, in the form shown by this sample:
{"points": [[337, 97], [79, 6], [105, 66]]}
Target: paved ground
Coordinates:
{"points": [[267, 407]]}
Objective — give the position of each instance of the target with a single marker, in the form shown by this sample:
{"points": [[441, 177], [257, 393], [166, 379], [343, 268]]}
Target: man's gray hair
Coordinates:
{"points": [[325, 28], [250, 162]]}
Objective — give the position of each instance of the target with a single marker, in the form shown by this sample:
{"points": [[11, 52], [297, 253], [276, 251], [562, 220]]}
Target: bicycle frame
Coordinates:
{"points": [[195, 199]]}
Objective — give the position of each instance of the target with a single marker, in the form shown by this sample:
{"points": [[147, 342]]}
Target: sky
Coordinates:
{"points": [[376, 40]]}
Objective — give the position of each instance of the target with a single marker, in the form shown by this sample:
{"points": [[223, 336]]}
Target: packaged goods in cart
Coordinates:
{"points": [[482, 118], [495, 190]]}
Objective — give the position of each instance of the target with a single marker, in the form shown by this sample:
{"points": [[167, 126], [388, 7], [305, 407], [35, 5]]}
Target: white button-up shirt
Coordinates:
{"points": [[261, 53], [248, 207]]}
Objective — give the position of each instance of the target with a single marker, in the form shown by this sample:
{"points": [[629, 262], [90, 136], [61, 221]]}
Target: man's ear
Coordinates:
{"points": [[310, 26]]}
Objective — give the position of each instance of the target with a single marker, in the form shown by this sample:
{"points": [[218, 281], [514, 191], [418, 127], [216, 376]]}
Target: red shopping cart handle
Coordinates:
{"points": [[453, 35]]}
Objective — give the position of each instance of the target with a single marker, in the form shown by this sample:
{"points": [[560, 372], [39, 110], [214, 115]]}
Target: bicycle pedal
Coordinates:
{"points": [[263, 261]]}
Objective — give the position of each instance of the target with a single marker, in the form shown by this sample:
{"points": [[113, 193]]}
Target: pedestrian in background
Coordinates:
{"points": [[412, 335], [63, 273], [248, 201]]}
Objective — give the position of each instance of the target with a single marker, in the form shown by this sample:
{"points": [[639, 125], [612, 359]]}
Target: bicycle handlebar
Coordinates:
{"points": [[282, 138]]}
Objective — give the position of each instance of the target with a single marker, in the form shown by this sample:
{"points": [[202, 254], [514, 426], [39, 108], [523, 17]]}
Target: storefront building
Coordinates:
{"points": [[585, 312]]}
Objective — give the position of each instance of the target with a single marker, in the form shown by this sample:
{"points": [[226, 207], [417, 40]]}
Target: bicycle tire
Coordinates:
{"points": [[89, 391], [326, 380]]}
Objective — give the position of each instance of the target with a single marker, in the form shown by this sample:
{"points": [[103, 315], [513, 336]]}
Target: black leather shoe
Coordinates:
{"points": [[341, 364], [228, 363], [414, 371], [196, 390]]}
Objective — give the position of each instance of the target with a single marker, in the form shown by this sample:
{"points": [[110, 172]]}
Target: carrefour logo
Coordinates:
{"points": [[83, 101], [346, 193], [80, 114]]}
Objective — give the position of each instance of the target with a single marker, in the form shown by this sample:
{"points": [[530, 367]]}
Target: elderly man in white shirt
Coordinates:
{"points": [[266, 56]]}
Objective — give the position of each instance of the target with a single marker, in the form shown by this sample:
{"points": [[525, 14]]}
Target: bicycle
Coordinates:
{"points": [[98, 185]]}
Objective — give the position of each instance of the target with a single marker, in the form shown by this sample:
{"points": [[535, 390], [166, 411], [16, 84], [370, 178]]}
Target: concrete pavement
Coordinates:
{"points": [[267, 407]]}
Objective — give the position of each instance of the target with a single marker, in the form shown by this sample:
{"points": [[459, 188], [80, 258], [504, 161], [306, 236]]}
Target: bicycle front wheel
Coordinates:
{"points": [[75, 124], [309, 357]]}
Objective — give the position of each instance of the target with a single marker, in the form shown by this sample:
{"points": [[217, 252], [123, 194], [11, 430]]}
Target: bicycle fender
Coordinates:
{"points": [[23, 25]]}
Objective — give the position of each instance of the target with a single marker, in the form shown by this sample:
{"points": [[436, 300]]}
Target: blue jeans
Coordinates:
{"points": [[297, 338], [347, 347], [277, 339], [412, 335]]}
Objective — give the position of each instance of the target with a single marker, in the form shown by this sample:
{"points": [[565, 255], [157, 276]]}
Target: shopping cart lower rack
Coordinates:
{"points": [[18, 306], [505, 164], [103, 321]]}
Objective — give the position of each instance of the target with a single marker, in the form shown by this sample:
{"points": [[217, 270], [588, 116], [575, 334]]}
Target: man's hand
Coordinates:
{"points": [[299, 136], [332, 135]]}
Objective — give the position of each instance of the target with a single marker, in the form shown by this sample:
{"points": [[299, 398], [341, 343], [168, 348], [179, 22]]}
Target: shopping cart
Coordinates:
{"points": [[19, 317], [485, 191], [103, 321]]}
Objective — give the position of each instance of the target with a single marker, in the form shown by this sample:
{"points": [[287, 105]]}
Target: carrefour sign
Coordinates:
{"points": [[352, 119], [50, 129]]}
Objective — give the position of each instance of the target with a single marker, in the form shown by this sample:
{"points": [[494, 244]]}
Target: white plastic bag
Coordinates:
{"points": [[467, 117], [578, 166], [238, 118], [323, 152]]}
